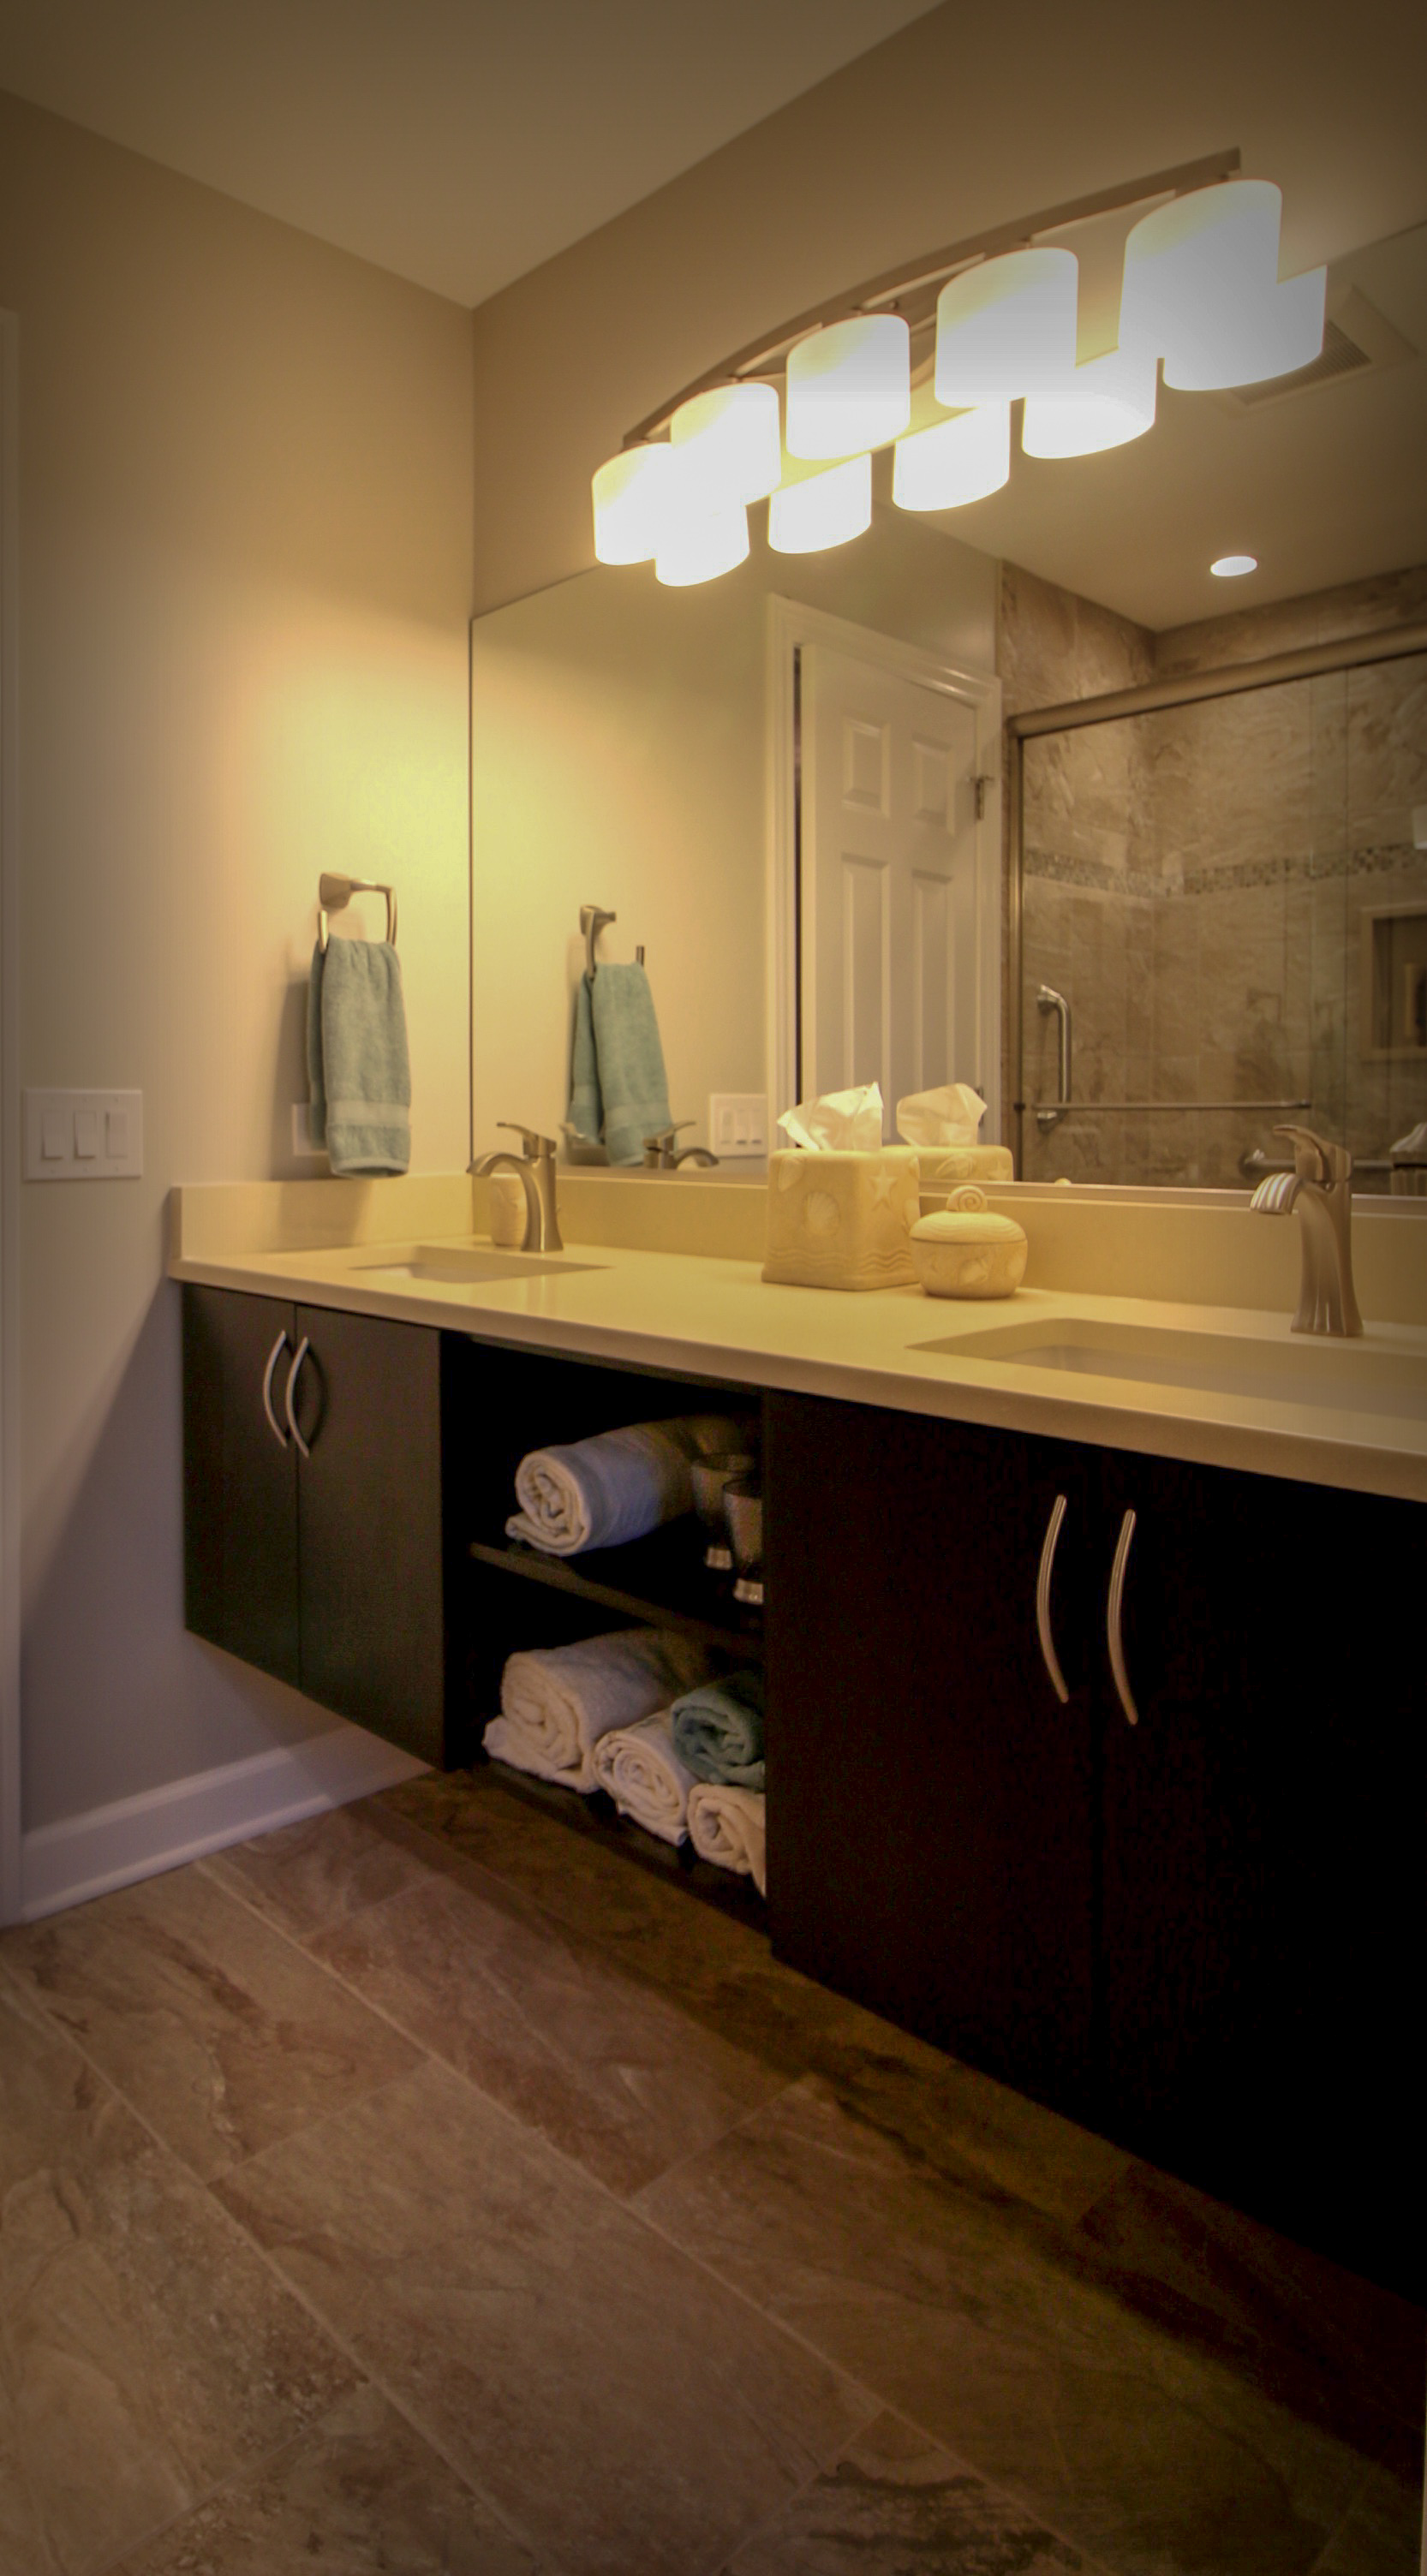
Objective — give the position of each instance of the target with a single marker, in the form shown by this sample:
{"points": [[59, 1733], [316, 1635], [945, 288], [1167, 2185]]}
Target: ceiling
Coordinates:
{"points": [[456, 142]]}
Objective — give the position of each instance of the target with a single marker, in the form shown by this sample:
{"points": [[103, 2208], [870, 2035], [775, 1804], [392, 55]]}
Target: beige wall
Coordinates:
{"points": [[967, 118], [245, 564], [618, 737]]}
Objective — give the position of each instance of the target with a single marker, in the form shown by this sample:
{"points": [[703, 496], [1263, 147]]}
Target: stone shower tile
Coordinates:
{"points": [[616, 2077], [222, 2035], [615, 2402], [1012, 2347], [895, 2501], [146, 2352], [307, 1876], [360, 2494]]}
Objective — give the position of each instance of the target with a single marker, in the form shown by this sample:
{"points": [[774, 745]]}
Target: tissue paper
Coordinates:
{"points": [[950, 1115], [839, 1122]]}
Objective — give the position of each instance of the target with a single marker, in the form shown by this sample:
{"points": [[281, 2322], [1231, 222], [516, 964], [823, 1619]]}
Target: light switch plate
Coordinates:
{"points": [[738, 1125], [84, 1135]]}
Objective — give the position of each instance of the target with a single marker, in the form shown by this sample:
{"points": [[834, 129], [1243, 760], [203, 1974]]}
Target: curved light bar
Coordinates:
{"points": [[1007, 328], [822, 510], [730, 439], [1108, 402], [954, 462], [849, 386], [632, 495], [699, 545]]}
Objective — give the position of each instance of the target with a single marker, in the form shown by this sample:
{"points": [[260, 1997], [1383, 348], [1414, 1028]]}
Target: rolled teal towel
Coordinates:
{"points": [[718, 1731], [357, 1058], [586, 1109], [634, 1089]]}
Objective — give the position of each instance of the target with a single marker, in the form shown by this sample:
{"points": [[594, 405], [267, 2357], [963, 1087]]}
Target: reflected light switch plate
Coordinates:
{"points": [[738, 1125], [84, 1135]]}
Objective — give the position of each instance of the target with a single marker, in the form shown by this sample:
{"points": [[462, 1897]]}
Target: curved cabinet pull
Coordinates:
{"points": [[1114, 1618], [289, 1399], [1044, 1631], [274, 1355]]}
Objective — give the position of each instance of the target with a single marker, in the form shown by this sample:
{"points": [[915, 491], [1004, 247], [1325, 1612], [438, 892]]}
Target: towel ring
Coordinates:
{"points": [[592, 921], [335, 893]]}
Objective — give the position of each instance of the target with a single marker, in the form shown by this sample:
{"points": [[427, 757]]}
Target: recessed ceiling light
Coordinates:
{"points": [[1229, 566]]}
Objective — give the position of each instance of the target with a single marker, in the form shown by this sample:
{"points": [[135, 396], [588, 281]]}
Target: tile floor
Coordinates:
{"points": [[424, 2191]]}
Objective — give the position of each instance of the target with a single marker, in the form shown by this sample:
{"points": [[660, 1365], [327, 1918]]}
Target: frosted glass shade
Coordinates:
{"points": [[632, 494], [730, 438], [1107, 402], [1271, 331], [822, 510], [1194, 254], [1007, 328], [954, 462], [698, 545], [849, 386]]}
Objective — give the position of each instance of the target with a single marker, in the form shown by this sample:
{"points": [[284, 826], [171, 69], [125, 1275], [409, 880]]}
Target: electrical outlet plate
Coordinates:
{"points": [[738, 1125], [84, 1135]]}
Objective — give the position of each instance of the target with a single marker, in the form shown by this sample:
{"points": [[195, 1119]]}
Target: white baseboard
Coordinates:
{"points": [[86, 1855]]}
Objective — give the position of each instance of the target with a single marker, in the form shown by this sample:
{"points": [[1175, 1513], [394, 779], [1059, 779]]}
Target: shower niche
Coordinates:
{"points": [[1394, 983]]}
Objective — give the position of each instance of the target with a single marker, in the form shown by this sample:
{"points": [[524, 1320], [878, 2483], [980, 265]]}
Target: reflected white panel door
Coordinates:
{"points": [[888, 882]]}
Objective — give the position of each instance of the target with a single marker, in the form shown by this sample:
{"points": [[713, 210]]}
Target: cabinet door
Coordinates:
{"points": [[240, 1479], [1262, 1829], [368, 1402], [930, 1841]]}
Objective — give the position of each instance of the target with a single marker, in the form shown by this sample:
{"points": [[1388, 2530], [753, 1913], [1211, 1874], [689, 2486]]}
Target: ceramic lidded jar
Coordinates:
{"points": [[969, 1249]]}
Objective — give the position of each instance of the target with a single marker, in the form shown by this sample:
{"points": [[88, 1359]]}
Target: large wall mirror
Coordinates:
{"points": [[1229, 896]]}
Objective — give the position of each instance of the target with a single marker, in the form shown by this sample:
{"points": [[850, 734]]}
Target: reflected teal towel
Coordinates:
{"points": [[584, 1111], [718, 1731], [633, 1087], [357, 1064]]}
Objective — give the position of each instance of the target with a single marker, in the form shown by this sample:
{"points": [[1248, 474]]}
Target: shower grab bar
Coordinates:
{"points": [[1047, 1000], [1256, 1165], [1050, 1114]]}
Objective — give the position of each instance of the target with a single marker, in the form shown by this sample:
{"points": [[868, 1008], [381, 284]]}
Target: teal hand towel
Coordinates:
{"points": [[718, 1731], [586, 1109], [316, 1093], [634, 1089], [361, 1076]]}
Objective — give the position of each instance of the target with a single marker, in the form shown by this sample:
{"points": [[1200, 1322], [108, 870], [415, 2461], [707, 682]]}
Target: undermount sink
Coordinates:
{"points": [[1343, 1375], [470, 1266]]}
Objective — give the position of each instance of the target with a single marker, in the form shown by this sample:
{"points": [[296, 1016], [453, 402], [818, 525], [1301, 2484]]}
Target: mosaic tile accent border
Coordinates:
{"points": [[1311, 867]]}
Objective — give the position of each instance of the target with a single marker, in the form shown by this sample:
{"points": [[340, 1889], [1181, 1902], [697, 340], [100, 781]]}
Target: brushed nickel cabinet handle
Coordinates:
{"points": [[274, 1426], [1044, 1631], [290, 1394], [1114, 1618]]}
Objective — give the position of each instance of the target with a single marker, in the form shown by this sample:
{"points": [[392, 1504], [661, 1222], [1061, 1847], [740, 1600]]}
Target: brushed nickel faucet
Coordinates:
{"points": [[1320, 1188], [535, 1170], [661, 1154]]}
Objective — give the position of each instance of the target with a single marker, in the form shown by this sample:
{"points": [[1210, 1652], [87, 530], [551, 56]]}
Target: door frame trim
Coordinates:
{"points": [[792, 626], [10, 1777]]}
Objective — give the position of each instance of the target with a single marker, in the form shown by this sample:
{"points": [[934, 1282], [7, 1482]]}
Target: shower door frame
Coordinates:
{"points": [[1305, 662]]}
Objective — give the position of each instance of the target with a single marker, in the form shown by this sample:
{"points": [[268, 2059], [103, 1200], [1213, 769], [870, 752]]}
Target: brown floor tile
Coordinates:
{"points": [[145, 2351], [612, 2074], [1381, 2533], [978, 2321], [222, 2035], [307, 1876], [359, 2494], [894, 2501], [614, 2402]]}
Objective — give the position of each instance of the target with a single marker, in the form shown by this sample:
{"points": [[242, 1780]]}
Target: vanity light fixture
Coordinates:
{"points": [[849, 386], [1229, 567], [699, 545], [1007, 328], [955, 461], [632, 496], [822, 510], [1109, 401], [1201, 290], [729, 440]]}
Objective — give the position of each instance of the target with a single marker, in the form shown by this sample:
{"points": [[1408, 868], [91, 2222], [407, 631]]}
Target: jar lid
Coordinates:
{"points": [[968, 1225]]}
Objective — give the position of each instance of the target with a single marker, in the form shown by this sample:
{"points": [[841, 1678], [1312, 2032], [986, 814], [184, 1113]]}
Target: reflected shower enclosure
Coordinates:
{"points": [[1219, 919]]}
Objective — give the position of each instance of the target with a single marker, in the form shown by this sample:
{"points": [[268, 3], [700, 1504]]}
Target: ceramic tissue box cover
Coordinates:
{"points": [[968, 1250], [842, 1220], [968, 1163]]}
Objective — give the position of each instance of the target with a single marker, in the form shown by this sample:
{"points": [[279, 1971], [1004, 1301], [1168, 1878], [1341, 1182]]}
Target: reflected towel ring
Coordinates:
{"points": [[335, 893]]}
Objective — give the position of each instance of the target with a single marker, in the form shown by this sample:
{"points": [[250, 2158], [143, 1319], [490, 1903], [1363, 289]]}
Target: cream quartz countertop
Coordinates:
{"points": [[706, 1312]]}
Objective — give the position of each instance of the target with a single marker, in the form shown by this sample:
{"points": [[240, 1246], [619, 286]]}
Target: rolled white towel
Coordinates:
{"points": [[644, 1776], [558, 1701], [616, 1486], [727, 1826]]}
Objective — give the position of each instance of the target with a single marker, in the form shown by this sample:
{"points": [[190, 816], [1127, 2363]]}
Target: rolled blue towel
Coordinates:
{"points": [[634, 1088], [357, 1058], [718, 1731]]}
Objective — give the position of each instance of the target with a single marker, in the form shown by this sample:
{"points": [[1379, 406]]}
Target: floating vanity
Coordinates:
{"points": [[1093, 1755]]}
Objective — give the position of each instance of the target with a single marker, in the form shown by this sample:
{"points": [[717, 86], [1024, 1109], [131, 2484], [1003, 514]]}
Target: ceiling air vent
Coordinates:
{"points": [[1356, 339]]}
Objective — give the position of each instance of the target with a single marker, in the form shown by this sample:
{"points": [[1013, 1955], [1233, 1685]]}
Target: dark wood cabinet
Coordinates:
{"points": [[326, 1568]]}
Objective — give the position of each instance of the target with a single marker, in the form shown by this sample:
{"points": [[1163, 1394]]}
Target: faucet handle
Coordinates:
{"points": [[1315, 1159], [659, 1149], [538, 1148]]}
